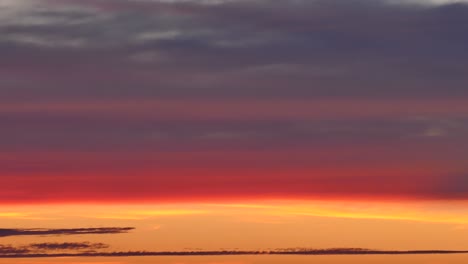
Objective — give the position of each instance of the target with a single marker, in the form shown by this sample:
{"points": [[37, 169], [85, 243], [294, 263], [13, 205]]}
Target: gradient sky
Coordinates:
{"points": [[269, 113]]}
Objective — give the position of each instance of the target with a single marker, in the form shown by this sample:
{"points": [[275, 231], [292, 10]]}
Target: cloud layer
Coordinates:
{"points": [[255, 49], [105, 100]]}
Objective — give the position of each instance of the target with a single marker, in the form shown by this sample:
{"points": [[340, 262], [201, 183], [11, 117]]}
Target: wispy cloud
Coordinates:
{"points": [[52, 248], [61, 232], [67, 246], [8, 250], [138, 214]]}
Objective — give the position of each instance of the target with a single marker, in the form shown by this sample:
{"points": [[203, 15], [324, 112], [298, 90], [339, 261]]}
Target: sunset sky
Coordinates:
{"points": [[194, 125]]}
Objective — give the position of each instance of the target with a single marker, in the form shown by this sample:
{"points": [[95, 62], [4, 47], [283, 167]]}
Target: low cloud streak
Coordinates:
{"points": [[63, 232], [332, 251]]}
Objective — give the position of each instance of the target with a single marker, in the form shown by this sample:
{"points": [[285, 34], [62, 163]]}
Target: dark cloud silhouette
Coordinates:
{"points": [[61, 232], [67, 246], [9, 250], [332, 251], [51, 248]]}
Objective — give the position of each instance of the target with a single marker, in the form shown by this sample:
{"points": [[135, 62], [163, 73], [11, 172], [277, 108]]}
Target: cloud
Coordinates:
{"points": [[51, 248], [291, 251], [8, 250], [331, 48], [61, 232], [67, 246], [278, 88]]}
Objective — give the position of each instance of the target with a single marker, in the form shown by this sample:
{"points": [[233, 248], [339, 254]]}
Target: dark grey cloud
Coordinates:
{"points": [[93, 132], [67, 133], [235, 49], [61, 232]]}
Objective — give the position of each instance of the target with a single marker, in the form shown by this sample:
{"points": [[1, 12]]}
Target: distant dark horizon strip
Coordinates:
{"points": [[228, 253]]}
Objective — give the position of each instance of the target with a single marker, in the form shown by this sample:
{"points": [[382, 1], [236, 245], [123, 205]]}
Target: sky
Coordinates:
{"points": [[298, 122]]}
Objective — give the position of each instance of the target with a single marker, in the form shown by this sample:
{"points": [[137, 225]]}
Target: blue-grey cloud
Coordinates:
{"points": [[238, 48]]}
